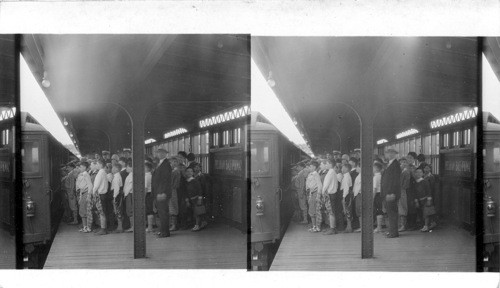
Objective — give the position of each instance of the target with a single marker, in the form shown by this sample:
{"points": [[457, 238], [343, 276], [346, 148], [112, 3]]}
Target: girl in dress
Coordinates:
{"points": [[194, 198]]}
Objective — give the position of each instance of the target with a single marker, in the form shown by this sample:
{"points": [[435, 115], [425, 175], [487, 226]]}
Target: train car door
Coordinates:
{"points": [[36, 190], [265, 219], [457, 186]]}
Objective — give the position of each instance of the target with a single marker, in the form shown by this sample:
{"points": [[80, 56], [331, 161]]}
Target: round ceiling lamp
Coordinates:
{"points": [[45, 80], [270, 80]]}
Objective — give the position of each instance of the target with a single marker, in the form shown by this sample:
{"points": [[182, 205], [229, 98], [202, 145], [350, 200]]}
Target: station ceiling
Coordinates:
{"points": [[410, 81], [180, 78]]}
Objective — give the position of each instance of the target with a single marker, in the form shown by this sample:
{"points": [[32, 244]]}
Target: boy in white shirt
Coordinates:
{"points": [[116, 186], [99, 192], [327, 197], [149, 196], [346, 187], [357, 196], [84, 189], [377, 199], [129, 197]]}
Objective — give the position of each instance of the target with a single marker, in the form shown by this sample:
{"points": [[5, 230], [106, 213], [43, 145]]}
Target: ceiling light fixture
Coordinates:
{"points": [[382, 141], [270, 80], [406, 133], [65, 122], [45, 81]]}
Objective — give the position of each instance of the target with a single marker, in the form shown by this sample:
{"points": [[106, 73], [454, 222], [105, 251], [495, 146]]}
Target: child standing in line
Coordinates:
{"points": [[377, 199], [117, 192], [84, 189], [347, 195], [129, 197], [403, 200], [313, 188], [423, 202], [195, 198], [357, 196], [149, 196], [433, 181], [99, 193], [329, 190]]}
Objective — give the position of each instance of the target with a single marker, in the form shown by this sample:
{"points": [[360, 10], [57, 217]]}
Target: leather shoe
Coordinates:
{"points": [[161, 235], [391, 236]]}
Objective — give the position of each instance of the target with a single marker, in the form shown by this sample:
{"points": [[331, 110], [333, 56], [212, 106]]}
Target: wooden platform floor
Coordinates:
{"points": [[7, 250], [444, 249], [216, 247]]}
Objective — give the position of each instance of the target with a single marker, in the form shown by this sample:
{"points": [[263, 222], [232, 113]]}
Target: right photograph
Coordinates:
{"points": [[365, 154]]}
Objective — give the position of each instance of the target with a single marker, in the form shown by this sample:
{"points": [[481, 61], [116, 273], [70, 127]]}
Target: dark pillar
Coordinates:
{"points": [[367, 185], [138, 188]]}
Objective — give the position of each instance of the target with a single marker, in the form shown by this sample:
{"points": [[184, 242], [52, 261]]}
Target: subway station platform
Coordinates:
{"points": [[446, 249], [216, 247], [7, 251]]}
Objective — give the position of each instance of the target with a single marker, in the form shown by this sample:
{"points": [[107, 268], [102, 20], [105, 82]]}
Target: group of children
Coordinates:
{"points": [[99, 192], [327, 192], [330, 186]]}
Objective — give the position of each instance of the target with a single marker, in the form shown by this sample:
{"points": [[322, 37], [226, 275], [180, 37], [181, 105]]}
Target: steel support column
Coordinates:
{"points": [[367, 183], [138, 186]]}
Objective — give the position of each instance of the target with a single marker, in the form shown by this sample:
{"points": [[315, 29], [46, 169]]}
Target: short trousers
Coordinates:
{"points": [[357, 204], [347, 205], [129, 204], [104, 204], [83, 205], [324, 201], [95, 202], [312, 204], [118, 205], [149, 204]]}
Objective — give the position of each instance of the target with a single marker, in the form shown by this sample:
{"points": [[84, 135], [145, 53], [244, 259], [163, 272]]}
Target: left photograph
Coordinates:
{"points": [[134, 151]]}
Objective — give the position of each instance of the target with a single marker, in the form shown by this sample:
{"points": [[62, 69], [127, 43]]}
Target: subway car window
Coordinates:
{"points": [[30, 157], [259, 154], [496, 157]]}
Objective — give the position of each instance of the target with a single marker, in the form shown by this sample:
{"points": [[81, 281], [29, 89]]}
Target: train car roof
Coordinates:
{"points": [[32, 127], [259, 122], [490, 122], [492, 127]]}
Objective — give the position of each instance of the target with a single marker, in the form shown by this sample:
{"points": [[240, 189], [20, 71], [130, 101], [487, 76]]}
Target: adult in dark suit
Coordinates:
{"points": [[161, 186], [391, 191]]}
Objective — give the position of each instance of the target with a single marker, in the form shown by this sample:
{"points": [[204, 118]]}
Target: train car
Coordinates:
{"points": [[272, 156], [449, 146], [42, 156], [491, 194], [7, 169], [219, 144]]}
